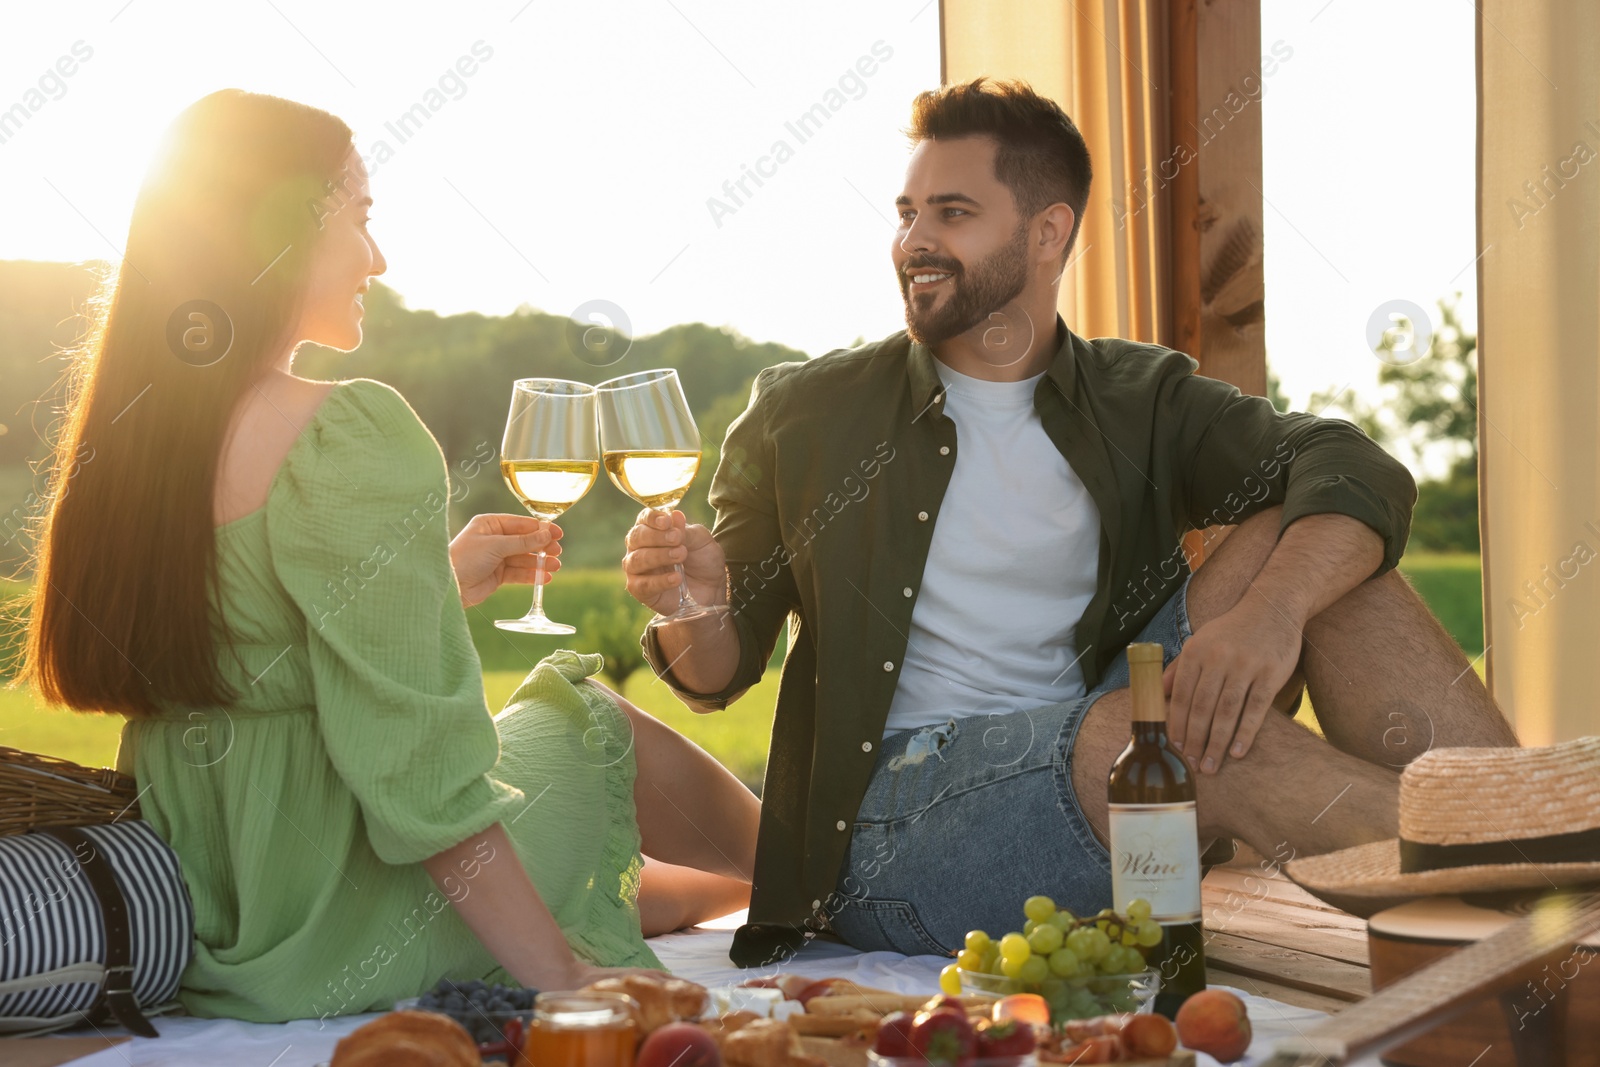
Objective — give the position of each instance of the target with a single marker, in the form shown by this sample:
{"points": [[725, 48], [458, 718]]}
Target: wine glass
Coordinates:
{"points": [[549, 459], [651, 450]]}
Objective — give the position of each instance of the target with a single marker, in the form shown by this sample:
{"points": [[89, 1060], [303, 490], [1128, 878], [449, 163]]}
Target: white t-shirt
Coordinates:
{"points": [[1012, 566]]}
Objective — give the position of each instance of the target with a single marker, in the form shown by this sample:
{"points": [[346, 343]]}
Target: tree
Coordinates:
{"points": [[613, 630], [1429, 405], [1275, 392]]}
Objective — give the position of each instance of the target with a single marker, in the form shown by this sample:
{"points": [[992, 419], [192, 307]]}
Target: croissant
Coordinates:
{"points": [[407, 1039], [661, 1000], [766, 1043], [721, 1027]]}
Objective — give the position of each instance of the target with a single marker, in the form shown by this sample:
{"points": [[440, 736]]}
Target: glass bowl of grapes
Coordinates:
{"points": [[1083, 966]]}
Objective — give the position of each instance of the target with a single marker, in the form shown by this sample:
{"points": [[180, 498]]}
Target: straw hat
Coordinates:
{"points": [[1476, 819]]}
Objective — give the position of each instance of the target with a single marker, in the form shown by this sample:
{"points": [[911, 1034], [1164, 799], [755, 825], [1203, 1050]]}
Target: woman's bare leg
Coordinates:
{"points": [[692, 811], [673, 897]]}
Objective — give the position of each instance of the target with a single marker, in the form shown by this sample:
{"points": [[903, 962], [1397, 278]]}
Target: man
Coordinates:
{"points": [[966, 523]]}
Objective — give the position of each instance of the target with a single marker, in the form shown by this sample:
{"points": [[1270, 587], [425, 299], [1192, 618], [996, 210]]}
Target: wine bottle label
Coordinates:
{"points": [[1155, 854]]}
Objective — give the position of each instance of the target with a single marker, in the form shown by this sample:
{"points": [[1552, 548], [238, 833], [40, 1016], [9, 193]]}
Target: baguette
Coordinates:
{"points": [[883, 1003], [833, 1025], [845, 1052]]}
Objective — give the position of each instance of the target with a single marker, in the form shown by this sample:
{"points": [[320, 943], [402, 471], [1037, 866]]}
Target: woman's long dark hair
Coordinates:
{"points": [[124, 616]]}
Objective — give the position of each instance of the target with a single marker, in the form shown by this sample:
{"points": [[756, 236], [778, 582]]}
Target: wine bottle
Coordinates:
{"points": [[1155, 844]]}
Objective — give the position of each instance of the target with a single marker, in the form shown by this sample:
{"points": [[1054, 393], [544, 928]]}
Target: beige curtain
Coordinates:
{"points": [[1539, 359], [1102, 61]]}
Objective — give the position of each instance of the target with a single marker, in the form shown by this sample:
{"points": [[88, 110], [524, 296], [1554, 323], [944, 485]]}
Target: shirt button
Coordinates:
{"points": [[906, 591], [922, 516], [839, 825], [815, 904], [888, 665], [866, 746], [944, 450]]}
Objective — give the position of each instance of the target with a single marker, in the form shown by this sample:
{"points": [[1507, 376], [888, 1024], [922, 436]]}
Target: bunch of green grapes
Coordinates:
{"points": [[1054, 943]]}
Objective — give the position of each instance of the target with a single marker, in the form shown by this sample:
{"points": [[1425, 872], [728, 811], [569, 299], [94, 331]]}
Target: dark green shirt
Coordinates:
{"points": [[826, 496]]}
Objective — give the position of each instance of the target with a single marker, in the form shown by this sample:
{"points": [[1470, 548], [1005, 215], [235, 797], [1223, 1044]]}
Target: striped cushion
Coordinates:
{"points": [[52, 935]]}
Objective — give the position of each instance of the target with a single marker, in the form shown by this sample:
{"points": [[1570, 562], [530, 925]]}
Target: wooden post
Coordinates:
{"points": [[1214, 168]]}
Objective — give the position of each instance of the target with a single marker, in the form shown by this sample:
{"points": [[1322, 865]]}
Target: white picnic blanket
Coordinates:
{"points": [[700, 955]]}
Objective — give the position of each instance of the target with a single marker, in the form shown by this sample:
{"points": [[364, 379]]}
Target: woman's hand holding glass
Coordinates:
{"points": [[494, 550], [549, 458]]}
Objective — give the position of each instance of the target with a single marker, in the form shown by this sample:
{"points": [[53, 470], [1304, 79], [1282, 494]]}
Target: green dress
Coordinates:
{"points": [[360, 744]]}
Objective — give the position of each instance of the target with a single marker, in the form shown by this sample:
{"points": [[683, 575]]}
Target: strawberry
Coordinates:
{"points": [[894, 1035], [944, 1037], [1009, 1038]]}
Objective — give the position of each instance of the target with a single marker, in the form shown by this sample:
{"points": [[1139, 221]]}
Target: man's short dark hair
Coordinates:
{"points": [[1042, 157]]}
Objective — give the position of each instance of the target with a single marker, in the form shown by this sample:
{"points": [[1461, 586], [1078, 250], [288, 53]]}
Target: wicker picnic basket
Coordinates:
{"points": [[40, 790]]}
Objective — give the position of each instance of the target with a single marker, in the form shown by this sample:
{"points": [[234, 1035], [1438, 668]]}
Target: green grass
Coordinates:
{"points": [[27, 724], [738, 736], [1451, 583], [17, 484]]}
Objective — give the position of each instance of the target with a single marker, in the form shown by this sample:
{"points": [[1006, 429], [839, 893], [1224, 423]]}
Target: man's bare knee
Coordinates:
{"points": [[1101, 737]]}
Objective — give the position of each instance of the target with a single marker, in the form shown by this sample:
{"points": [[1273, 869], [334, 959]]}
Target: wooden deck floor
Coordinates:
{"points": [[1269, 936]]}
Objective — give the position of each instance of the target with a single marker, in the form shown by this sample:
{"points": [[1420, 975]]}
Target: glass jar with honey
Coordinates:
{"points": [[581, 1029]]}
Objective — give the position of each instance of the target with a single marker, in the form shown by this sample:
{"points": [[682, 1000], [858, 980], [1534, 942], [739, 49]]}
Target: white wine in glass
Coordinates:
{"points": [[549, 458], [651, 450], [548, 487], [656, 479]]}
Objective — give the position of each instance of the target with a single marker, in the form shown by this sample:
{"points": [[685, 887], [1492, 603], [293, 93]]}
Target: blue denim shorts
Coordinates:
{"points": [[963, 821]]}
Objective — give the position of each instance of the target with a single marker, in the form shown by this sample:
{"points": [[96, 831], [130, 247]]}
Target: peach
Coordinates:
{"points": [[1150, 1035], [679, 1045], [1214, 1021]]}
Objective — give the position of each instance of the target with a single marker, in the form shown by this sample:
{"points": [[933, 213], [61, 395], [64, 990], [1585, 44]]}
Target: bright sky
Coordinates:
{"points": [[577, 160]]}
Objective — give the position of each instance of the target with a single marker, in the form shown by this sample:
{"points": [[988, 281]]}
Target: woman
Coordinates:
{"points": [[253, 568]]}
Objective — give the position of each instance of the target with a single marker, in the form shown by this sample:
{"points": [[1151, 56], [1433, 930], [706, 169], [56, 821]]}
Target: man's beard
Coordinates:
{"points": [[988, 287]]}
